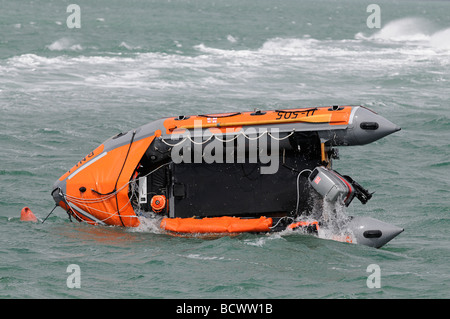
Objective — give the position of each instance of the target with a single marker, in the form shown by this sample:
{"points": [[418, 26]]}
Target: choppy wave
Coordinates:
{"points": [[405, 45], [352, 51], [272, 47], [411, 30], [127, 46], [64, 44]]}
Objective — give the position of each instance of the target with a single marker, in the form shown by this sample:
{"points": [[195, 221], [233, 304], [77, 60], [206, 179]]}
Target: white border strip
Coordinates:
{"points": [[352, 114], [79, 169]]}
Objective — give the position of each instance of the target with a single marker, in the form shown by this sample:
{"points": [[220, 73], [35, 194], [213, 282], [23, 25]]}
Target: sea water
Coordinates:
{"points": [[64, 90]]}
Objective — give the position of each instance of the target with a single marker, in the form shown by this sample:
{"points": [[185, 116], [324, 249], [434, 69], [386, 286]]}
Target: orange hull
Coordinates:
{"points": [[216, 225]]}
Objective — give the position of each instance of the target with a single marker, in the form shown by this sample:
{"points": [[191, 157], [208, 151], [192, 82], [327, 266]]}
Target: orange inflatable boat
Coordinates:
{"points": [[221, 173]]}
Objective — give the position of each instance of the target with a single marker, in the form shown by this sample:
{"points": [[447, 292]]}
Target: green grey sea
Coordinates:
{"points": [[63, 91]]}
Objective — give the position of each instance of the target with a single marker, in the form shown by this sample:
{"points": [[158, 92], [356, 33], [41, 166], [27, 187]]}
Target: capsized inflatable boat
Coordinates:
{"points": [[259, 171]]}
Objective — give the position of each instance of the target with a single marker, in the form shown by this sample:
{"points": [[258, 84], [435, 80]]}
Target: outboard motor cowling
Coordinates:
{"points": [[333, 186]]}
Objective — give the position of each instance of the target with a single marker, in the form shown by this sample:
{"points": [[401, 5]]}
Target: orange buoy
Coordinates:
{"points": [[27, 215], [158, 203]]}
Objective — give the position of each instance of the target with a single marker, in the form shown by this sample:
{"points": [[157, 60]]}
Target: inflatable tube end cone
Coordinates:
{"points": [[373, 232], [27, 215]]}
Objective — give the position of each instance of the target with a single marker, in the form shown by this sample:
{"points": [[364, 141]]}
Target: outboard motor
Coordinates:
{"points": [[333, 186]]}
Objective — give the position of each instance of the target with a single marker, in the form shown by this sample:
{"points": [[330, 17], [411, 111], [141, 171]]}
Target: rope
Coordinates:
{"points": [[298, 191], [84, 202], [107, 196], [99, 210], [219, 116], [232, 139], [49, 214]]}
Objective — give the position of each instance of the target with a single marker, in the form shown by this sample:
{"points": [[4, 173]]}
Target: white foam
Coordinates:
{"points": [[33, 60], [407, 29], [261, 241], [64, 44], [200, 257], [218, 68], [272, 47], [441, 39], [99, 60], [148, 225], [231, 39], [413, 31], [127, 46], [289, 46]]}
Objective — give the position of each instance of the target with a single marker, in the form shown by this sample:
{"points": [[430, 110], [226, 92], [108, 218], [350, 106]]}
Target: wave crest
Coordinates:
{"points": [[64, 44], [411, 30]]}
